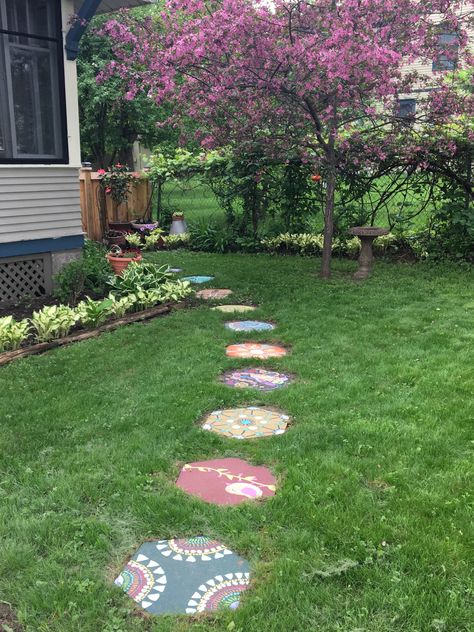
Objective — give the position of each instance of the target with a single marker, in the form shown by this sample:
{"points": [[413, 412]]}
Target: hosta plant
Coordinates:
{"points": [[120, 306], [53, 321], [93, 313], [12, 333], [139, 277]]}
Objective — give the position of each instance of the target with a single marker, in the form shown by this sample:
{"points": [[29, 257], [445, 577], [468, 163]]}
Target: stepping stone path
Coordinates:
{"points": [[213, 294], [234, 308], [255, 350], [198, 279], [246, 423], [259, 379], [199, 574], [226, 481], [249, 325], [184, 576]]}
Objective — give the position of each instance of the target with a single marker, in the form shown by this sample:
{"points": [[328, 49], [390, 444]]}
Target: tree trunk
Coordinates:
{"points": [[329, 216]]}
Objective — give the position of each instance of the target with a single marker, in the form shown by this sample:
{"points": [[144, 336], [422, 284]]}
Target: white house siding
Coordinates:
{"points": [[42, 201], [38, 203]]}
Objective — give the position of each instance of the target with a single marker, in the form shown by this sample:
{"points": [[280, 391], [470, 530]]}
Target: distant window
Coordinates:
{"points": [[406, 108], [448, 48], [32, 110]]}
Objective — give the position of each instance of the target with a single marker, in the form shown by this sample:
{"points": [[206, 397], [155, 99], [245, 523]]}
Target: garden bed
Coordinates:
{"points": [[84, 334]]}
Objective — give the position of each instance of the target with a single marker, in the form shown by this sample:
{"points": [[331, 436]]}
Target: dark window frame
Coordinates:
{"points": [[442, 61], [63, 158], [406, 115]]}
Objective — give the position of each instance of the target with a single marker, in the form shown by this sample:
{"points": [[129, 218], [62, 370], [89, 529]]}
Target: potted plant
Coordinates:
{"points": [[115, 238], [116, 182], [178, 225], [120, 259]]}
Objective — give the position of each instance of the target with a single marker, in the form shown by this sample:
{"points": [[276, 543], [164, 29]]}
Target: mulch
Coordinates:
{"points": [[8, 620], [25, 309]]}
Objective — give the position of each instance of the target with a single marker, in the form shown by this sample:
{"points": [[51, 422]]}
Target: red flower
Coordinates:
{"points": [[108, 190], [316, 177], [118, 165], [100, 172]]}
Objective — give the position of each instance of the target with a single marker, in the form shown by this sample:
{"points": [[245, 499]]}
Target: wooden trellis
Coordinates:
{"points": [[98, 209]]}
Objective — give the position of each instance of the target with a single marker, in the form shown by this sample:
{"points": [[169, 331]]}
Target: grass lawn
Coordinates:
{"points": [[371, 525], [196, 200]]}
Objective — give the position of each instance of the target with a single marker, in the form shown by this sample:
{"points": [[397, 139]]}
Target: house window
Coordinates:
{"points": [[448, 48], [406, 108], [32, 107]]}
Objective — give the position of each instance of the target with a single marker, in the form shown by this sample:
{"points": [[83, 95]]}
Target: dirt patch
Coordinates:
{"points": [[8, 620], [25, 309]]}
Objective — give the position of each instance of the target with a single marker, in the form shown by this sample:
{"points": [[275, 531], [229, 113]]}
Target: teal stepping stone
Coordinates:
{"points": [[198, 279], [185, 576]]}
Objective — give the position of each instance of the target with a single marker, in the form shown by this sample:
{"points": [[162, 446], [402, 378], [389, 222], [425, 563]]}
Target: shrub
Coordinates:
{"points": [[211, 236], [12, 333], [88, 275]]}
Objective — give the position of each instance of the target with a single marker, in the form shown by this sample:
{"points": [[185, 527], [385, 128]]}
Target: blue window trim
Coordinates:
{"points": [[35, 246]]}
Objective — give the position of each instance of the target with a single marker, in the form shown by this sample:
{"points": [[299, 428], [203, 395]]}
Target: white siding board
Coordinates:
{"points": [[39, 203]]}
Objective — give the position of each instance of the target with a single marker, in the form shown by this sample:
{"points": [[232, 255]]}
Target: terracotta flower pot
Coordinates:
{"points": [[120, 263]]}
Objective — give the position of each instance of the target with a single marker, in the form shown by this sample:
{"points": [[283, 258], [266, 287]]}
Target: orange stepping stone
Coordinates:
{"points": [[255, 350], [252, 422]]}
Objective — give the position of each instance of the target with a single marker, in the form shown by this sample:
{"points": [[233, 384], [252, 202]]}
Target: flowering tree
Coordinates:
{"points": [[292, 76]]}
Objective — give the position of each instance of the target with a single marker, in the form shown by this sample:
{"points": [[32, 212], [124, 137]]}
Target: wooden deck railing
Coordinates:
{"points": [[98, 209]]}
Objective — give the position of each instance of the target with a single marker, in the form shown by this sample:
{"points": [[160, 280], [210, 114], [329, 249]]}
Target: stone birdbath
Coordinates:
{"points": [[366, 234]]}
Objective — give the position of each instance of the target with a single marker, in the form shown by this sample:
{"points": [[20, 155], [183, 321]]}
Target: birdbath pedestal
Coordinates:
{"points": [[366, 234]]}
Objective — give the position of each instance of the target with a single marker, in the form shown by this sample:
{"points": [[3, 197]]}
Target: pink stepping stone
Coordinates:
{"points": [[226, 481]]}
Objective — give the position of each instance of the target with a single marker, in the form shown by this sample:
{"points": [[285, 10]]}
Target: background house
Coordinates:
{"points": [[40, 216]]}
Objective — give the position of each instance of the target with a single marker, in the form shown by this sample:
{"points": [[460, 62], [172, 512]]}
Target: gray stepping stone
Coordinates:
{"points": [[185, 576]]}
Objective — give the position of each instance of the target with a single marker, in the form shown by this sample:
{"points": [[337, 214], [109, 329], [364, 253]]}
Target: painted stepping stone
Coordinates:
{"points": [[234, 308], [260, 379], [226, 481], [198, 279], [213, 294], [249, 325], [246, 423], [255, 350], [184, 576], [175, 270]]}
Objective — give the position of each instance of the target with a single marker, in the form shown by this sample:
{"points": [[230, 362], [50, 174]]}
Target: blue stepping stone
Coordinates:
{"points": [[185, 576], [198, 279], [249, 325]]}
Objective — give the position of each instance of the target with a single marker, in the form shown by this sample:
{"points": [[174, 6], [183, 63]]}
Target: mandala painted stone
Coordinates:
{"points": [[255, 350], [219, 592], [259, 379], [192, 549], [198, 279], [249, 325], [184, 576], [213, 294], [229, 309], [226, 481], [246, 423]]}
